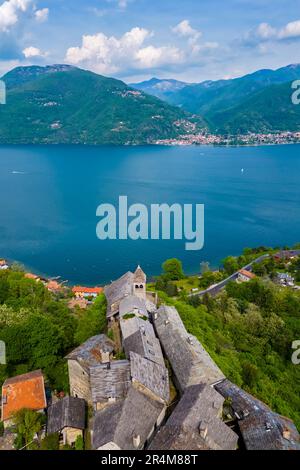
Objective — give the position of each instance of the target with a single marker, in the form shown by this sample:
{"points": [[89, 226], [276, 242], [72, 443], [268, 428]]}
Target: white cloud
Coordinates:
{"points": [[151, 56], [42, 15], [184, 29], [291, 30], [110, 55], [266, 32], [32, 51], [9, 12]]}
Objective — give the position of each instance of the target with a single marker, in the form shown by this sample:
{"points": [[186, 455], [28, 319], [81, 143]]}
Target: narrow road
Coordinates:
{"points": [[215, 289]]}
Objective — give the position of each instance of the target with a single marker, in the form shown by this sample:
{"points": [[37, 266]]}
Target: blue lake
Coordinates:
{"points": [[49, 196]]}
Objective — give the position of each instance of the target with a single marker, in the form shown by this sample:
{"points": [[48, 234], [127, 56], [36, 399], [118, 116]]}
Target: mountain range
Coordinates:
{"points": [[258, 102], [61, 104], [162, 89], [64, 104]]}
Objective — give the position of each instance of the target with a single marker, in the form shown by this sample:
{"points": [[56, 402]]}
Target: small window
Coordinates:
{"points": [[141, 286]]}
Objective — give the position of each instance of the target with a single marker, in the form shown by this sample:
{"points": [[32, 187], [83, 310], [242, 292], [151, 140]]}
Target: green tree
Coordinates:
{"points": [[79, 444], [50, 442], [230, 265], [28, 423], [259, 269], [92, 321], [249, 374], [172, 269], [171, 289]]}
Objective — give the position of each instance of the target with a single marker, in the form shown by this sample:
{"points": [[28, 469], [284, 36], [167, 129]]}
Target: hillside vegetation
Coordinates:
{"points": [[259, 102], [66, 105], [248, 329]]}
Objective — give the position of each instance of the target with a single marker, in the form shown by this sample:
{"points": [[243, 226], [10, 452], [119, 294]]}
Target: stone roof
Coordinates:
{"points": [[190, 362], [68, 412], [133, 304], [116, 291], [261, 428], [110, 380], [90, 352], [139, 337], [121, 422], [150, 375], [195, 424], [139, 276]]}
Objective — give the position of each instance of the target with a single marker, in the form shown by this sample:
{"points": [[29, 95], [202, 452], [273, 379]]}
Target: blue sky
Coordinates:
{"points": [[190, 40]]}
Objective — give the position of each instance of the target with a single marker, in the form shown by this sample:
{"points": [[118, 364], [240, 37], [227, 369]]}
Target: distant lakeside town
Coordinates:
{"points": [[249, 139]]}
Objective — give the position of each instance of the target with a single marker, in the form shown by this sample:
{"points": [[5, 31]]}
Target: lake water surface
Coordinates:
{"points": [[49, 196]]}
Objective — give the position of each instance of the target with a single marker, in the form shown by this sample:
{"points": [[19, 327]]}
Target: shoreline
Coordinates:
{"points": [[158, 144]]}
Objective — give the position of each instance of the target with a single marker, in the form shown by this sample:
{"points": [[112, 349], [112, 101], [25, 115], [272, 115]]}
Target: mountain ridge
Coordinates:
{"points": [[65, 104], [227, 105]]}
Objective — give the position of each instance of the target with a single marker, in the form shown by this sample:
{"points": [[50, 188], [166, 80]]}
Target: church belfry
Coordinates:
{"points": [[139, 283]]}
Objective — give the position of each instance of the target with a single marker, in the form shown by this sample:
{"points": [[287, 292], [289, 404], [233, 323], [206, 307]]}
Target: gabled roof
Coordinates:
{"points": [[54, 286], [248, 274], [139, 276], [87, 290], [23, 391], [89, 353], [121, 422], [190, 362], [261, 428], [117, 290], [68, 412], [139, 337], [195, 424], [150, 375], [110, 380], [31, 276], [133, 304]]}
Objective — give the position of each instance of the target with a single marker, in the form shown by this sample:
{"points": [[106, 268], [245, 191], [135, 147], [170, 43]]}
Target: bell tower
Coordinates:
{"points": [[139, 283]]}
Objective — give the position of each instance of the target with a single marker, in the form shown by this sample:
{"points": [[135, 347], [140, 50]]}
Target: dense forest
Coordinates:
{"points": [[248, 328], [39, 328]]}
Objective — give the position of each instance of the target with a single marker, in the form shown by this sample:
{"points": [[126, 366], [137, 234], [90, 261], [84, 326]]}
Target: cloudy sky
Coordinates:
{"points": [[191, 40]]}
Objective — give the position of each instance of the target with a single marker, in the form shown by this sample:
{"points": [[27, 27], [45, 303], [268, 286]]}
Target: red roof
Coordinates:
{"points": [[53, 285], [31, 276], [23, 391], [87, 290], [247, 273]]}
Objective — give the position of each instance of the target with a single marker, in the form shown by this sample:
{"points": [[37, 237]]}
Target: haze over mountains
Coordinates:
{"points": [[258, 102], [64, 104]]}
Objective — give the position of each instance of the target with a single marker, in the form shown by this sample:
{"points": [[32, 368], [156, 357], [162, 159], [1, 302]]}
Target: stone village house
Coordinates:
{"points": [[67, 418], [130, 397]]}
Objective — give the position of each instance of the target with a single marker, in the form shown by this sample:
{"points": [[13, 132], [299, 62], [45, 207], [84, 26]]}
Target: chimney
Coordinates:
{"points": [[136, 441], [203, 429], [104, 356], [167, 322]]}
